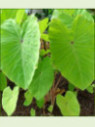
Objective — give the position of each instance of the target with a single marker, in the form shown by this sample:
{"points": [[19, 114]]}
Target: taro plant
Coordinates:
{"points": [[34, 53]]}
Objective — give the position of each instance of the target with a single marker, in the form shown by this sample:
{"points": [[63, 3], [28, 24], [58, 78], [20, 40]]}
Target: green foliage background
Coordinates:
{"points": [[38, 44]]}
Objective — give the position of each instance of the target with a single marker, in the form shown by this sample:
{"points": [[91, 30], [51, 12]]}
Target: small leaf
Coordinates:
{"points": [[45, 37], [32, 112], [9, 100], [3, 81], [50, 108], [20, 15], [28, 98], [43, 24], [68, 105], [44, 52]]}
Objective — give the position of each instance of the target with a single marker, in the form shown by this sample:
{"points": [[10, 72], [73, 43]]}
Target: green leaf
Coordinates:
{"points": [[73, 50], [32, 112], [67, 16], [9, 100], [68, 105], [20, 15], [50, 108], [44, 52], [64, 16], [43, 24], [40, 102], [45, 37], [17, 14], [43, 79], [20, 50], [8, 13], [3, 81], [93, 85], [28, 98]]}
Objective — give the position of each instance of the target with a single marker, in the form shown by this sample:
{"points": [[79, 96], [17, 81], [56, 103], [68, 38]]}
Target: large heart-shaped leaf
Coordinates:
{"points": [[20, 50], [9, 99], [73, 50], [69, 105], [43, 79]]}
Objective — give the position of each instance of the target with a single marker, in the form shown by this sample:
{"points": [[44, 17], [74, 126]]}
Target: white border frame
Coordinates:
{"points": [[47, 3], [47, 122]]}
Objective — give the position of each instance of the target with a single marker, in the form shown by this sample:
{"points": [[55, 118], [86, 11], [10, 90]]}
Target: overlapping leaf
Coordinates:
{"points": [[43, 79], [20, 50], [73, 50], [8, 13], [68, 15], [43, 24], [17, 14]]}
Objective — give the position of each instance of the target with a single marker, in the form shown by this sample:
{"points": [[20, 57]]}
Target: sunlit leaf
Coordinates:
{"points": [[43, 24], [9, 100], [20, 50], [68, 105], [28, 98]]}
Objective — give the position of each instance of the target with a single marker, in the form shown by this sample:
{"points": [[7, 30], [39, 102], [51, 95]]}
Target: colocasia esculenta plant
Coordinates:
{"points": [[33, 52]]}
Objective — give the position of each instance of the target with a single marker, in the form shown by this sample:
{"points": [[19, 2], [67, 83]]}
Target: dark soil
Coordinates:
{"points": [[87, 103]]}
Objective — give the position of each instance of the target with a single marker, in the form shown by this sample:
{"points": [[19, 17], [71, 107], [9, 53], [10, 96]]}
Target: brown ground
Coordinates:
{"points": [[86, 101]]}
